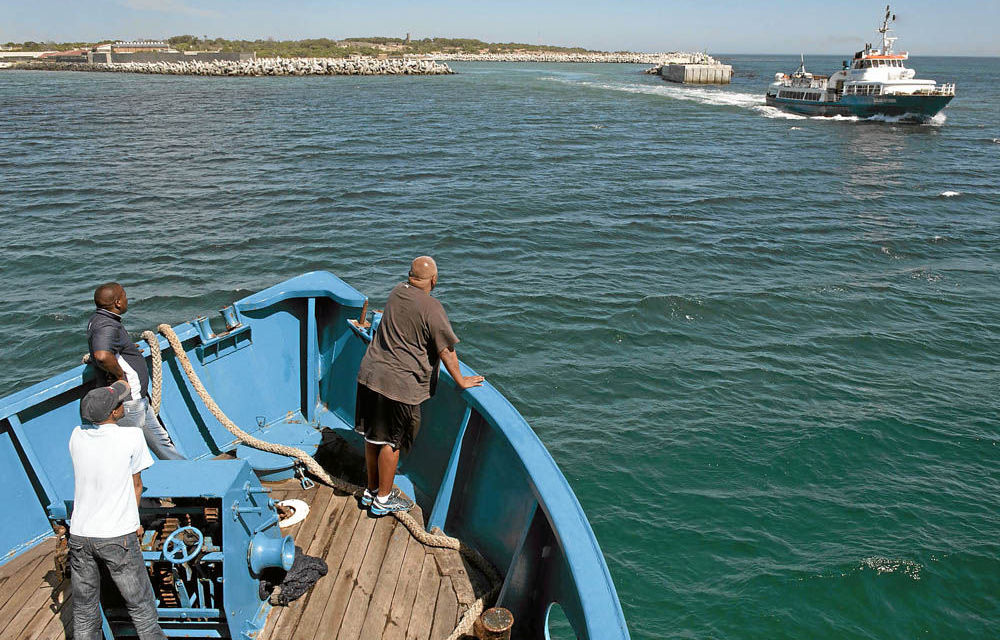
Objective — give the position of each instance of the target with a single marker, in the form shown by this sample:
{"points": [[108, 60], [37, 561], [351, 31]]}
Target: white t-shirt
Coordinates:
{"points": [[104, 459]]}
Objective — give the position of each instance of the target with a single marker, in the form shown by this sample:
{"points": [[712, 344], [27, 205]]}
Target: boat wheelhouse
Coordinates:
{"points": [[877, 82]]}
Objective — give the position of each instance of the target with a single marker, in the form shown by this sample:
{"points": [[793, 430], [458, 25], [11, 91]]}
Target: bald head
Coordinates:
{"points": [[111, 296], [423, 273]]}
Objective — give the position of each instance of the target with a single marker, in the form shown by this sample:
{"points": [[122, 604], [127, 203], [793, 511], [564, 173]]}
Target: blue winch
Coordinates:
{"points": [[206, 543]]}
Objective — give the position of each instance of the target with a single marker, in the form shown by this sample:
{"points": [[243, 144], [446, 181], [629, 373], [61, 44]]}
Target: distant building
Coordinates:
{"points": [[137, 46], [74, 55]]}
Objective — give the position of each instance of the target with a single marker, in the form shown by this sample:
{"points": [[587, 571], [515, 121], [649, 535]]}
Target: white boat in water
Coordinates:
{"points": [[876, 82]]}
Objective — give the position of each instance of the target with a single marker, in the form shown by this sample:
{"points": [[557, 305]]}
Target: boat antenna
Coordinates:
{"points": [[802, 63], [884, 30]]}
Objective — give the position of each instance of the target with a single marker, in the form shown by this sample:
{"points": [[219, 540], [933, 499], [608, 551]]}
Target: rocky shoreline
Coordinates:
{"points": [[431, 64], [261, 67]]}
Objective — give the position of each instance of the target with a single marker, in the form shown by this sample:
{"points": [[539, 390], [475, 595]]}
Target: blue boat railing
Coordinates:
{"points": [[477, 469]]}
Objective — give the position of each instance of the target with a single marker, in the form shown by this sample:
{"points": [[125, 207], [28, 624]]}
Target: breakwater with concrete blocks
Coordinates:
{"points": [[261, 67], [675, 57]]}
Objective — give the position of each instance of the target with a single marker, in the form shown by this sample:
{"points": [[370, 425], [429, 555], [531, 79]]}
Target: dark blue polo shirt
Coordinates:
{"points": [[105, 332]]}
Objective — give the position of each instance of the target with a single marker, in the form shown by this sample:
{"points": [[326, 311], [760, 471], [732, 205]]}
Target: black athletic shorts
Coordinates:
{"points": [[382, 420]]}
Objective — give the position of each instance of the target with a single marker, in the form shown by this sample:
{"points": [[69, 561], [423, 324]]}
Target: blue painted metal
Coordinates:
{"points": [[250, 541], [267, 551], [220, 345], [312, 359], [204, 328], [315, 284], [443, 501], [476, 467], [176, 550], [48, 489], [230, 315], [272, 467]]}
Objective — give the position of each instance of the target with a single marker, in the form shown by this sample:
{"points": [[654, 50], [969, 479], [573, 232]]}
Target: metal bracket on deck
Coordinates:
{"points": [[306, 482]]}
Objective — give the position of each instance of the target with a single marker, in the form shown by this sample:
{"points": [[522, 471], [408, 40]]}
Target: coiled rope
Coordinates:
{"points": [[441, 541]]}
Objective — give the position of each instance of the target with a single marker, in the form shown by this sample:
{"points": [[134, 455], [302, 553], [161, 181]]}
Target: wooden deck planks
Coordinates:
{"points": [[451, 565], [39, 610], [406, 591], [318, 503], [364, 584], [304, 534], [445, 612], [385, 586], [312, 610], [422, 616], [60, 626], [17, 570], [346, 577], [25, 590], [339, 510]]}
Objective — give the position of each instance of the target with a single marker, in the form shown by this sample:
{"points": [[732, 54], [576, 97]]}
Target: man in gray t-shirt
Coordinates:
{"points": [[397, 373]]}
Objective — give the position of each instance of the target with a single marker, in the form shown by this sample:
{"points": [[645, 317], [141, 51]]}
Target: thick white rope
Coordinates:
{"points": [[156, 375], [465, 625]]}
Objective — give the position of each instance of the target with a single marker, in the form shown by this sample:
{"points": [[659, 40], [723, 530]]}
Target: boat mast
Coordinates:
{"points": [[884, 30]]}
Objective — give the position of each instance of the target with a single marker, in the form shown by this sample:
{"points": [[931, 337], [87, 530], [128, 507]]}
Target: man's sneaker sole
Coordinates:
{"points": [[381, 511], [397, 502]]}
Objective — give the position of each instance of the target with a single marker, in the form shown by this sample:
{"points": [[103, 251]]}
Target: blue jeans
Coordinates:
{"points": [[139, 414], [123, 559]]}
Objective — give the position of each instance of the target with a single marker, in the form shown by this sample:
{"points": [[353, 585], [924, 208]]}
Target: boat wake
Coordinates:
{"points": [[724, 98]]}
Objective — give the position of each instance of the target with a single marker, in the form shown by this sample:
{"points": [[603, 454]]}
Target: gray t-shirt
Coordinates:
{"points": [[402, 360]]}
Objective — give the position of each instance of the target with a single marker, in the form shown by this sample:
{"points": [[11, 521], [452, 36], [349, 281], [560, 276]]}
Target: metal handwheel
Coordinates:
{"points": [[176, 550]]}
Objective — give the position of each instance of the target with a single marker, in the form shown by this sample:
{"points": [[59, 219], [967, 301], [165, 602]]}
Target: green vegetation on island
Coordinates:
{"points": [[323, 47], [369, 45], [31, 45]]}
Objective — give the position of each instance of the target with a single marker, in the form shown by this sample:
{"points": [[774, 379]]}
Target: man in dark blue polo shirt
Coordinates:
{"points": [[112, 349]]}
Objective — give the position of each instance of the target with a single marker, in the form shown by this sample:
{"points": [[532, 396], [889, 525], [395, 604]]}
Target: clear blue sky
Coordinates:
{"points": [[958, 27]]}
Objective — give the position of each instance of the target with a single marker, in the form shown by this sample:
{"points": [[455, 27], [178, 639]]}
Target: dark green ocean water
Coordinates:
{"points": [[764, 350]]}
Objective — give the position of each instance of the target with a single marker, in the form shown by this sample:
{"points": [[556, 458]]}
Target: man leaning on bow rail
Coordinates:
{"points": [[112, 349], [398, 372], [104, 528]]}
